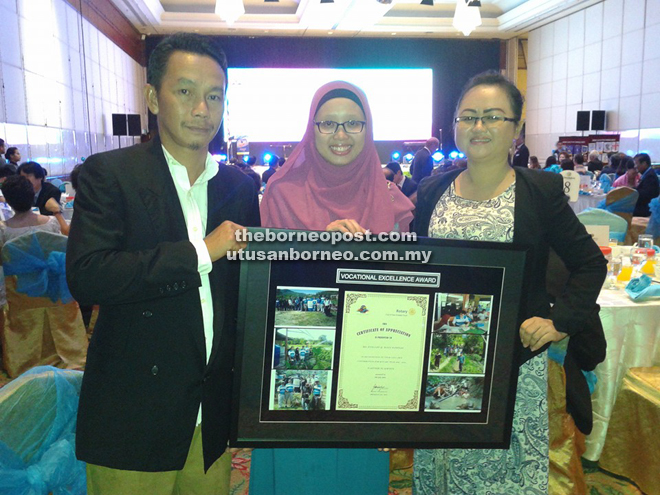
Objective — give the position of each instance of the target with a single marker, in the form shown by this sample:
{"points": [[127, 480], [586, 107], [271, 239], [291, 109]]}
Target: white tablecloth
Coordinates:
{"points": [[586, 201], [632, 331]]}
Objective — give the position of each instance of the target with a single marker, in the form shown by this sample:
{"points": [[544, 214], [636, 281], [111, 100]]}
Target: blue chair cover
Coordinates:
{"points": [[553, 168], [37, 434], [594, 216], [605, 182], [624, 205], [39, 272], [653, 228]]}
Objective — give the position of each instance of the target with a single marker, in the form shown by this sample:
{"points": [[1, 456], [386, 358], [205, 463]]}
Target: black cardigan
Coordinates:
{"points": [[544, 220]]}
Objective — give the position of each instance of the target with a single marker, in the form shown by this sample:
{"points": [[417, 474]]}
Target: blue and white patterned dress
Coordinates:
{"points": [[523, 468]]}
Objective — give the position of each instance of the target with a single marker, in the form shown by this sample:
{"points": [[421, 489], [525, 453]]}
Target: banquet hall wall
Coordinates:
{"points": [[605, 57], [61, 79]]}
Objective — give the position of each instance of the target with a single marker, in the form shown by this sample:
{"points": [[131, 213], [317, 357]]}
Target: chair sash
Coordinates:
{"points": [[623, 205], [38, 274], [605, 182]]}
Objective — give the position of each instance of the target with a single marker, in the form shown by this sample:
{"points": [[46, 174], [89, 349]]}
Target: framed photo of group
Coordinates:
{"points": [[366, 350]]}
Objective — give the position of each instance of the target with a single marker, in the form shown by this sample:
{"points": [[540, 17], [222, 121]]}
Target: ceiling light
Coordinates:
{"points": [[427, 2], [466, 16], [229, 10]]}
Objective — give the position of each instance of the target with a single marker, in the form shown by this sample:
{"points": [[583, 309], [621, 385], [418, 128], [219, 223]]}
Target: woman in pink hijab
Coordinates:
{"points": [[333, 179]]}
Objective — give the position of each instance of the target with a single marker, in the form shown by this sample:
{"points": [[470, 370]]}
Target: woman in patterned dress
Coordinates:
{"points": [[491, 201]]}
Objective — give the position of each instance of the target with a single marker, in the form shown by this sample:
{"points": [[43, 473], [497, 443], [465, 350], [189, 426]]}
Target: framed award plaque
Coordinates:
{"points": [[370, 346]]}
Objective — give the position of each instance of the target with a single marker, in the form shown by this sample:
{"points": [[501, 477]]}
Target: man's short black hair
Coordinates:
{"points": [[18, 192], [10, 151], [182, 42], [578, 158], [6, 172], [32, 168], [2, 142], [643, 158], [394, 167], [73, 177]]}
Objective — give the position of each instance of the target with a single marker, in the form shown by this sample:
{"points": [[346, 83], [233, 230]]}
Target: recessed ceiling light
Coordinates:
{"points": [[393, 34], [331, 32]]}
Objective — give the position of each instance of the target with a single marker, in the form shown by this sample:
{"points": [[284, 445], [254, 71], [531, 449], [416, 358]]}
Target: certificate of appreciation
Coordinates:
{"points": [[382, 351]]}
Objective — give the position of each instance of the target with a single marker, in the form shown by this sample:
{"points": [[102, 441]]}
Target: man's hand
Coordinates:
{"points": [[345, 225], [536, 332], [223, 239], [53, 206]]}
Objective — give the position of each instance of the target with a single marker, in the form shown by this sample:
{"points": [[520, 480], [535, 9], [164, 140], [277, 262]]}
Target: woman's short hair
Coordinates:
{"points": [[551, 160], [494, 78], [18, 193]]}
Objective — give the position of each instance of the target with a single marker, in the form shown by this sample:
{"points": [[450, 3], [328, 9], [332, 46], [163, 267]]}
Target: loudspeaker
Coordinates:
{"points": [[119, 124], [134, 124], [582, 121], [598, 120]]}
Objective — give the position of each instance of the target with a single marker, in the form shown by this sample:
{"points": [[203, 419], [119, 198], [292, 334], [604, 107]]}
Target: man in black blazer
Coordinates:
{"points": [[406, 184], [648, 187], [521, 154], [422, 164], [149, 237], [43, 190]]}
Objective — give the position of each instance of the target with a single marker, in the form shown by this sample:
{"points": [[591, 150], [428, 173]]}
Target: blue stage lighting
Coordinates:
{"points": [[221, 157], [409, 156], [461, 155], [438, 156], [267, 157], [453, 155], [396, 155]]}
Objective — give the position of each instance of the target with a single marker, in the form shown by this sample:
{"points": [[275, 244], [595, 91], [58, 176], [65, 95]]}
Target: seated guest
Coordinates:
{"points": [[19, 194], [622, 168], [550, 161], [567, 165], [22, 347], [594, 164], [3, 150], [13, 156], [406, 184], [389, 175], [578, 161], [534, 163], [630, 178], [43, 190], [613, 164], [648, 187], [273, 165]]}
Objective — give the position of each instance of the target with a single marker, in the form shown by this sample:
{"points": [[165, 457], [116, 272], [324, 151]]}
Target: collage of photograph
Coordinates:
{"points": [[303, 348], [457, 360]]}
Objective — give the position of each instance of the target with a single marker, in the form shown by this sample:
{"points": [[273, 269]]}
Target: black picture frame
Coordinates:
{"points": [[474, 270]]}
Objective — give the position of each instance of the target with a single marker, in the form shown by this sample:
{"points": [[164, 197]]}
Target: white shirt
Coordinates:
{"points": [[194, 204]]}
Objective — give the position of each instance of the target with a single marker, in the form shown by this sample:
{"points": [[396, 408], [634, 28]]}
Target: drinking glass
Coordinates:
{"points": [[645, 241]]}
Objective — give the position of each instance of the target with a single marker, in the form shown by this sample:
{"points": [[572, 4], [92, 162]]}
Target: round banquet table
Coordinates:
{"points": [[632, 331], [586, 201]]}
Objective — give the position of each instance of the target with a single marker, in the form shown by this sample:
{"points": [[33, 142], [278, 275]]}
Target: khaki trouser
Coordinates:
{"points": [[191, 480]]}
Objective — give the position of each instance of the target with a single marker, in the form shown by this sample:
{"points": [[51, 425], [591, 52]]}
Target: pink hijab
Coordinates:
{"points": [[308, 193]]}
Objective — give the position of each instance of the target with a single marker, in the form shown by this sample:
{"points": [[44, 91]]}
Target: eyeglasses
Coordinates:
{"points": [[486, 120], [350, 126]]}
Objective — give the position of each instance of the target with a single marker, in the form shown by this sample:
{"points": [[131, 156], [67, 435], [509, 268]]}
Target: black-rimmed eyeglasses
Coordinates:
{"points": [[350, 126], [486, 120]]}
